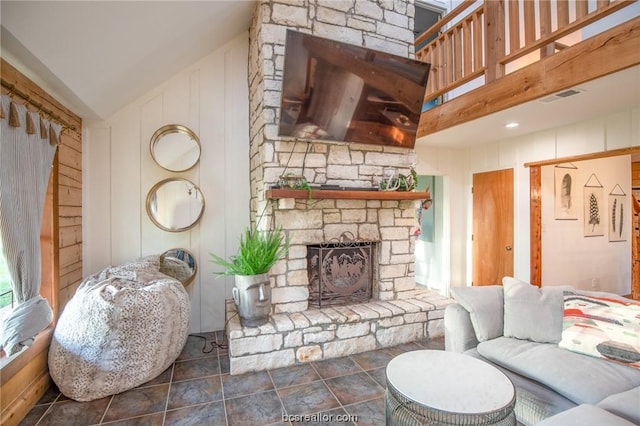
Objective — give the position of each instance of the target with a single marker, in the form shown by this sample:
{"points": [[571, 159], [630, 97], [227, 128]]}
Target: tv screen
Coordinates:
{"points": [[336, 91]]}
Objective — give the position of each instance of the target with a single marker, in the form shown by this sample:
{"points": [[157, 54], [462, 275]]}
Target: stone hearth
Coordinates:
{"points": [[318, 334]]}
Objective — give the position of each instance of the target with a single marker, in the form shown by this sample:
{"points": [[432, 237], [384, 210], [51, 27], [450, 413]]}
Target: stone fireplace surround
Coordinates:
{"points": [[398, 311]]}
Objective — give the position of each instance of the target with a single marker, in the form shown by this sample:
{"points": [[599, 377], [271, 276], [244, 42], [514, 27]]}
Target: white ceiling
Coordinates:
{"points": [[615, 92], [98, 56]]}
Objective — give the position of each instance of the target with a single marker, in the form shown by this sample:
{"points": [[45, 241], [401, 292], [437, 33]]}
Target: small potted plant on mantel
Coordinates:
{"points": [[400, 182], [257, 253]]}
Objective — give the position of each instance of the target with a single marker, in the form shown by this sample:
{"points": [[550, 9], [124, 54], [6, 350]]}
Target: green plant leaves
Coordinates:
{"points": [[257, 253]]}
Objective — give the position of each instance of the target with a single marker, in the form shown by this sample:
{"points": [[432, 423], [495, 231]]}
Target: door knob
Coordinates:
{"points": [[508, 248]]}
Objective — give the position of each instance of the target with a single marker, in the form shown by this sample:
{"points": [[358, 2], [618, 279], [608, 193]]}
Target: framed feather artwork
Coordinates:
{"points": [[565, 192], [618, 214], [594, 208]]}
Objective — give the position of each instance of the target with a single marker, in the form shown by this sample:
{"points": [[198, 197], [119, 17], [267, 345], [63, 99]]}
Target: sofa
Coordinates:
{"points": [[573, 356]]}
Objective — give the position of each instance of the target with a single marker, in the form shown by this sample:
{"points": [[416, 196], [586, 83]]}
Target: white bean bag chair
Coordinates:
{"points": [[122, 328]]}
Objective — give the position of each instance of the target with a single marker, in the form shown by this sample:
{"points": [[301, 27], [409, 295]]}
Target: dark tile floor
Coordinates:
{"points": [[198, 390]]}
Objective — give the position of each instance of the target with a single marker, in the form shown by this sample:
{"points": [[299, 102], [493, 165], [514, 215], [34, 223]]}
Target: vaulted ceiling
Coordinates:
{"points": [[97, 56]]}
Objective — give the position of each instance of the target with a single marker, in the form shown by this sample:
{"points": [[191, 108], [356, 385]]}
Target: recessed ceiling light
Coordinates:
{"points": [[511, 125]]}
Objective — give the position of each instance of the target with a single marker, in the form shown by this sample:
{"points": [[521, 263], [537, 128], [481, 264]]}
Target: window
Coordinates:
{"points": [[426, 16], [6, 294]]}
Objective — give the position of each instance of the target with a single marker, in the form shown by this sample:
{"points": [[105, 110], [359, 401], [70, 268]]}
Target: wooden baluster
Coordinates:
{"points": [[466, 45], [494, 32], [562, 6], [440, 69], [529, 22], [545, 28], [477, 42], [514, 26], [448, 59], [582, 8], [433, 78], [457, 53]]}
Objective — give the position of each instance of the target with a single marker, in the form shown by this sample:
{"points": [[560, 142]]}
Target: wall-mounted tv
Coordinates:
{"points": [[334, 91]]}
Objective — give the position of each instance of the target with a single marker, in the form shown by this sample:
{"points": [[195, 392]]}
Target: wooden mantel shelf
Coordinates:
{"points": [[339, 194]]}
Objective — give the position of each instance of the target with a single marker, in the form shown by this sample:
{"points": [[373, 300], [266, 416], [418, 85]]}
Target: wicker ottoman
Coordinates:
{"points": [[447, 388]]}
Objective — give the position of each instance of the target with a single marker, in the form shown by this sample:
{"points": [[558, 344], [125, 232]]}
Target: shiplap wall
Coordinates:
{"points": [[69, 214], [211, 98]]}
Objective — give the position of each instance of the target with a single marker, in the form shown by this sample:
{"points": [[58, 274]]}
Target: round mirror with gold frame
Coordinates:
{"points": [[175, 204], [175, 148], [180, 264]]}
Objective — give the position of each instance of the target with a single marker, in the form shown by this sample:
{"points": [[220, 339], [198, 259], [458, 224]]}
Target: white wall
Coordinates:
{"points": [[450, 164], [613, 131], [590, 263], [211, 98]]}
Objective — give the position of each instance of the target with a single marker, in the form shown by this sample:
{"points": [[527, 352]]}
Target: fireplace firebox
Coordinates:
{"points": [[340, 272]]}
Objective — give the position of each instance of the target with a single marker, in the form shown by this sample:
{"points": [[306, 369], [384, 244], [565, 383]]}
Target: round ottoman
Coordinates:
{"points": [[428, 387]]}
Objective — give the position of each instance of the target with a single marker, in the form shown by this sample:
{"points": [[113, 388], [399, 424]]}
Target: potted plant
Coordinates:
{"points": [[257, 253], [400, 182]]}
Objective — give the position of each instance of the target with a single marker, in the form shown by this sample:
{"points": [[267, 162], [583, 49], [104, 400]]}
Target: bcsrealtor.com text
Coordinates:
{"points": [[319, 417]]}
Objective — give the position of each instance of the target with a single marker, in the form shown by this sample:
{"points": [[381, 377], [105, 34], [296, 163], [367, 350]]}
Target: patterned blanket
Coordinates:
{"points": [[602, 327]]}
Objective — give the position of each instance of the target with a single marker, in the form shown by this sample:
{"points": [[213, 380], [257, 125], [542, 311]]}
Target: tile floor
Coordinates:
{"points": [[198, 390]]}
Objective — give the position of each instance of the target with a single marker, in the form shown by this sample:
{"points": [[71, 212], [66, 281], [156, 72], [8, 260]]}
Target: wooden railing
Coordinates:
{"points": [[486, 40]]}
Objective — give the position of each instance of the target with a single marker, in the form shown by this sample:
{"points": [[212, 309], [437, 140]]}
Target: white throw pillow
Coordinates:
{"points": [[485, 307], [532, 313]]}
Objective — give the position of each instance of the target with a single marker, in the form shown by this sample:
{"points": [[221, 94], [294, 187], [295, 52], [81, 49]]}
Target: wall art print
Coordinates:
{"points": [[594, 208], [566, 202], [618, 213]]}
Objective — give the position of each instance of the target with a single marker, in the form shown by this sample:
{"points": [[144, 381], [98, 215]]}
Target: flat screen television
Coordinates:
{"points": [[334, 91]]}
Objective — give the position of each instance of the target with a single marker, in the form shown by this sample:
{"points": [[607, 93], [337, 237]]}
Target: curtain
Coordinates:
{"points": [[27, 147]]}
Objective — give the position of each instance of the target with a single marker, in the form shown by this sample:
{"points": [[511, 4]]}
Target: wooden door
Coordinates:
{"points": [[492, 227]]}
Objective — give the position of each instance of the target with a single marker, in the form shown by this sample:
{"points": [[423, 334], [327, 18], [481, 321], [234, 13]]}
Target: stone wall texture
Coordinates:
{"points": [[318, 334], [385, 25]]}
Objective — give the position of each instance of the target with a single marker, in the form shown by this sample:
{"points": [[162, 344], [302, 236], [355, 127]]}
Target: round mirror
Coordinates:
{"points": [[175, 148], [175, 204], [179, 264]]}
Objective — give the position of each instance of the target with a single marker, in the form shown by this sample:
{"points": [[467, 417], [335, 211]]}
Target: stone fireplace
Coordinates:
{"points": [[397, 311], [379, 24]]}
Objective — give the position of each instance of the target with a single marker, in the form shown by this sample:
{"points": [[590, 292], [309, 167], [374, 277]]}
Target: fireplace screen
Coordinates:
{"points": [[339, 273]]}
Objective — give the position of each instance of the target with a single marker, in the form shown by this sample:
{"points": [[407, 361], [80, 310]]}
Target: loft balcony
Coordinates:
{"points": [[491, 55]]}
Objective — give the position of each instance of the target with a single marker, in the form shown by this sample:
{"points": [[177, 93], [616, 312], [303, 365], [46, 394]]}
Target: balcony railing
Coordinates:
{"points": [[482, 41]]}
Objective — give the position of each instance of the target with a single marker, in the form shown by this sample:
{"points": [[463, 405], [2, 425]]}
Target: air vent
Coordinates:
{"points": [[561, 95], [568, 93]]}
